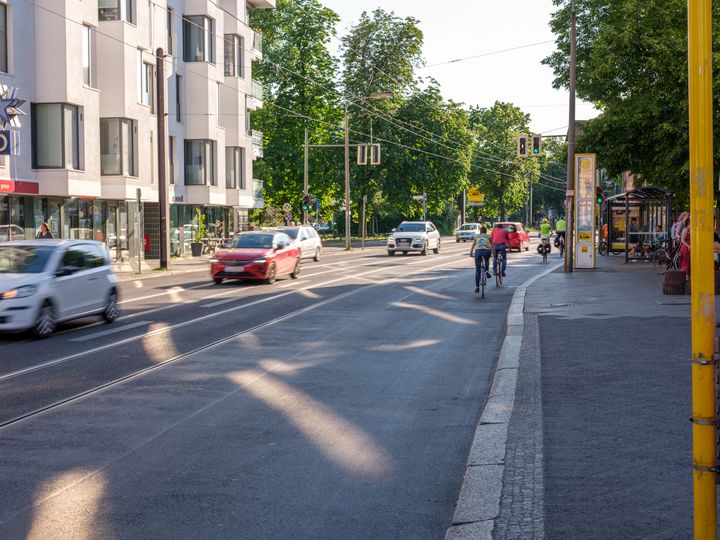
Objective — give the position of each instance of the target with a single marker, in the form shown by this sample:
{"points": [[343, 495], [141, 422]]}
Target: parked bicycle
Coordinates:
{"points": [[664, 259]]}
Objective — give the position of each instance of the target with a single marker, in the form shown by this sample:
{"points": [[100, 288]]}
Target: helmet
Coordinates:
{"points": [[545, 220]]}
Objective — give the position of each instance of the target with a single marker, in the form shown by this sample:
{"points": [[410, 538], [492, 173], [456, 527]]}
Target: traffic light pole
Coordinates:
{"points": [[305, 176], [570, 187], [162, 159]]}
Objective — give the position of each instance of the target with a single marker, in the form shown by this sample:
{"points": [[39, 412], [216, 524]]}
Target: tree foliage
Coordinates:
{"points": [[298, 75], [501, 174], [632, 64]]}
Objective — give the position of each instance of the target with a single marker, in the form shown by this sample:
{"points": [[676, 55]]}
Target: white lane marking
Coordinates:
{"points": [[218, 314], [172, 290], [115, 330], [221, 302], [294, 283]]}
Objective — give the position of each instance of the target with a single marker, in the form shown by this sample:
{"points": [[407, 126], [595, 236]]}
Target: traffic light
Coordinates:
{"points": [[536, 141], [523, 146], [306, 203], [599, 195]]}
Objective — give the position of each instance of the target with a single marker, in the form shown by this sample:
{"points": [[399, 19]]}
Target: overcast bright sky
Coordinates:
{"points": [[462, 28]]}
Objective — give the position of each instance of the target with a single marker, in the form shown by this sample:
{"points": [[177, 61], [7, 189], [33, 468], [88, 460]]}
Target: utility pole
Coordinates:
{"points": [[305, 176], [463, 204], [348, 246], [570, 187], [424, 206], [364, 199], [162, 158], [702, 277]]}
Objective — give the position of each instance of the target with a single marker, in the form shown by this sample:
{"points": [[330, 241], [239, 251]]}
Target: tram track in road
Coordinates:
{"points": [[357, 288], [204, 317]]}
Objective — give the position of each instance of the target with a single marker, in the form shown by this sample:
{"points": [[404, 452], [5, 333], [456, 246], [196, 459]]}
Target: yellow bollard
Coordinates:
{"points": [[702, 276]]}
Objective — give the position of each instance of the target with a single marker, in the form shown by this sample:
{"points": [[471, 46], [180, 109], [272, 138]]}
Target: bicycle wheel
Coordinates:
{"points": [[483, 280], [675, 265], [499, 273], [660, 261], [603, 248]]}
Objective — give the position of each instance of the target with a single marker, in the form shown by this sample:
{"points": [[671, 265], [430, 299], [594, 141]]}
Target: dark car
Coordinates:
{"points": [[256, 255], [518, 237]]}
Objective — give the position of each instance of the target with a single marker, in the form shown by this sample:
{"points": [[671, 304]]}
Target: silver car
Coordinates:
{"points": [[307, 239], [417, 236], [466, 232], [45, 282]]}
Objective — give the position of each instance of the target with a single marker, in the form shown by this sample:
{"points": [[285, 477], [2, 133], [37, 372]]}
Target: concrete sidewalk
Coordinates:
{"points": [[599, 444]]}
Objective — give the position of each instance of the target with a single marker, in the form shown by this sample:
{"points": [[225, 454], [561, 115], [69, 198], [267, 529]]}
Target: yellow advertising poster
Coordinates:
{"points": [[585, 207]]}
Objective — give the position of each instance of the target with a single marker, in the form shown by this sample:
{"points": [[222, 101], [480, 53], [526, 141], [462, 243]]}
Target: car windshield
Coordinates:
{"points": [[411, 227], [292, 233], [257, 241], [467, 227], [24, 259]]}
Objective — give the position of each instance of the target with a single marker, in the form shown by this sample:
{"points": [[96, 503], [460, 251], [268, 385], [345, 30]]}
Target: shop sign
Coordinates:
{"points": [[18, 186], [8, 143], [10, 107]]}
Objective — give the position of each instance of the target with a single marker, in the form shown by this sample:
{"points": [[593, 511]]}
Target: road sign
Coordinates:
{"points": [[286, 207], [475, 196], [288, 217], [418, 197]]}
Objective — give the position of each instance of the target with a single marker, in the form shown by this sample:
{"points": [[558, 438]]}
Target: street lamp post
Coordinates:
{"points": [[348, 214]]}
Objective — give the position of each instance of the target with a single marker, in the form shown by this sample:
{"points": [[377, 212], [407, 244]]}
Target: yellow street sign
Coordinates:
{"points": [[475, 195]]}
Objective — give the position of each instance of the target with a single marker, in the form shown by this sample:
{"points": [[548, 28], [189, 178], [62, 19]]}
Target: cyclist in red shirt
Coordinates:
{"points": [[499, 239]]}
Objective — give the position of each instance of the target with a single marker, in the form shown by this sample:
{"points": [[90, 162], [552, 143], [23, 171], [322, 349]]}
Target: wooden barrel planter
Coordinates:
{"points": [[674, 282]]}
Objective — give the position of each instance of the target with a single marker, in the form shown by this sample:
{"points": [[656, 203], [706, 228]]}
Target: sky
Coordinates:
{"points": [[462, 28]]}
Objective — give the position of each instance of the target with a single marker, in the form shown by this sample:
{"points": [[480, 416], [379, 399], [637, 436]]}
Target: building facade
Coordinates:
{"points": [[88, 144]]}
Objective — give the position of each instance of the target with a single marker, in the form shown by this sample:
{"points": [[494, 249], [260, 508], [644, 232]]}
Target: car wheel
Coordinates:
{"points": [[111, 312], [437, 248], [217, 280], [527, 247], [296, 272], [45, 323], [316, 258], [391, 253], [457, 240], [272, 274], [425, 249]]}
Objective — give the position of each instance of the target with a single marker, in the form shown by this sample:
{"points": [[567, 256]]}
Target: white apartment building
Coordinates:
{"points": [[87, 71]]}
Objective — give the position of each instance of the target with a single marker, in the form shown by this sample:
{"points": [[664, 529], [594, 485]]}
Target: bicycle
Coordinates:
{"points": [[664, 260], [561, 245], [603, 247], [483, 278], [499, 271]]}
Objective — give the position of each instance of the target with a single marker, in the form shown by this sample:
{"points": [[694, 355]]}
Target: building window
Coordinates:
{"points": [[88, 39], [235, 167], [234, 55], [146, 86], [55, 136], [198, 39], [170, 25], [217, 103], [116, 10], [199, 162], [178, 94], [171, 159], [248, 130], [4, 39], [118, 146]]}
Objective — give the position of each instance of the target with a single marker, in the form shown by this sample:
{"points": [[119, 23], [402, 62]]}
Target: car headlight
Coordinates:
{"points": [[20, 292], [260, 260], [214, 261], [418, 239]]}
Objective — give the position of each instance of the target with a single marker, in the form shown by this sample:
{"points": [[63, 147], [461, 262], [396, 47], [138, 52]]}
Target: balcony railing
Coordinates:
{"points": [[257, 189], [257, 143], [257, 41], [257, 90]]}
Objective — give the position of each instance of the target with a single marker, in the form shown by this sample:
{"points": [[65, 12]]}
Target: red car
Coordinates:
{"points": [[517, 235], [260, 255]]}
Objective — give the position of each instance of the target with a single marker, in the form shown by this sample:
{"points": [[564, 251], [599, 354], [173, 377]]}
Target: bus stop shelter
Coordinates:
{"points": [[648, 210]]}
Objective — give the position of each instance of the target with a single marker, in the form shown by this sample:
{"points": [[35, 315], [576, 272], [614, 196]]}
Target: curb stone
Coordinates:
{"points": [[478, 505]]}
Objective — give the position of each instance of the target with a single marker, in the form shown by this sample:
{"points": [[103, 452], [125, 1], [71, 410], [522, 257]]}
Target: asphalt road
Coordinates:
{"points": [[340, 404]]}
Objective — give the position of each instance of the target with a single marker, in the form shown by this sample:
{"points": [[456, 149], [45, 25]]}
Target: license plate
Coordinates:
{"points": [[403, 241], [234, 269]]}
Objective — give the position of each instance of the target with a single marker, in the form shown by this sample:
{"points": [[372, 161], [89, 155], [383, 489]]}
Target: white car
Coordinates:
{"points": [[307, 239], [466, 232], [420, 236], [44, 282]]}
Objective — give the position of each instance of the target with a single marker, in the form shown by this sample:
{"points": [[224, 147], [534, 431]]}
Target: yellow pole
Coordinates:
{"points": [[702, 277]]}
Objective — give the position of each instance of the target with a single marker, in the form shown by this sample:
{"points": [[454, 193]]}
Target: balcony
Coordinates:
{"points": [[257, 193], [256, 95], [257, 143], [257, 40]]}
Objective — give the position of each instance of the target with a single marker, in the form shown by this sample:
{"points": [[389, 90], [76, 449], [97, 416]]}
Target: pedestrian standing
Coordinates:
{"points": [[676, 230], [44, 233], [684, 264]]}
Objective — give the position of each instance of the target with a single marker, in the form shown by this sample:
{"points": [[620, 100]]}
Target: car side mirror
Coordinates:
{"points": [[394, 230], [280, 245]]}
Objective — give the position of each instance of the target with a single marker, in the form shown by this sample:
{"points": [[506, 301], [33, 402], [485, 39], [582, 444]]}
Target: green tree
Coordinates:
{"points": [[298, 75], [498, 171], [632, 64]]}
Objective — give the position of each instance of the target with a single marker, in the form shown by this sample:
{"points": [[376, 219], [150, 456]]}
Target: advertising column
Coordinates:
{"points": [[585, 210]]}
